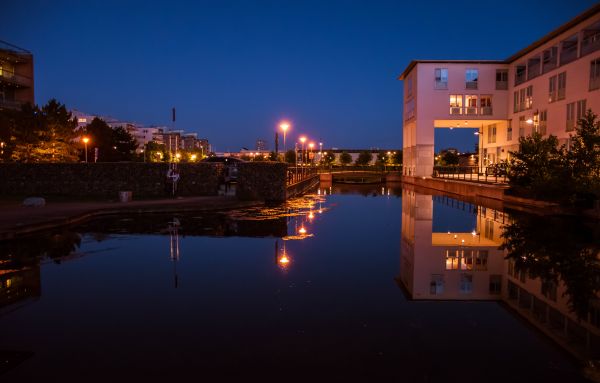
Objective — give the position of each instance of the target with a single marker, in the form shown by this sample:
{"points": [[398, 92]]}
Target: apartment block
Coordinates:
{"points": [[16, 76], [546, 87]]}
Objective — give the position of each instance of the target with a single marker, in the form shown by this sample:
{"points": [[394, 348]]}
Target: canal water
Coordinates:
{"points": [[355, 283]]}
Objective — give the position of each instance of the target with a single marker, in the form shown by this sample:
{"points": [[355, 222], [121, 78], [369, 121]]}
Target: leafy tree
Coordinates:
{"points": [[584, 157], [58, 133], [539, 166], [273, 156], [382, 158], [345, 158], [364, 158], [155, 152], [397, 157], [450, 158], [125, 144], [290, 157], [328, 158], [113, 144]]}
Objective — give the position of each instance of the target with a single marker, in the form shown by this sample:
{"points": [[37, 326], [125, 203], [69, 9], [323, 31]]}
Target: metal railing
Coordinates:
{"points": [[299, 173], [15, 78], [487, 174]]}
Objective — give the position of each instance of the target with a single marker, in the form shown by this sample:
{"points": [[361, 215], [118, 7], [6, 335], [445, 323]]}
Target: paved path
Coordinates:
{"points": [[16, 219]]}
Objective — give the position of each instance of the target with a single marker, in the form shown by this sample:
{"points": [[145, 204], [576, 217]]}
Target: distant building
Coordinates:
{"points": [[544, 88], [261, 145], [16, 76]]}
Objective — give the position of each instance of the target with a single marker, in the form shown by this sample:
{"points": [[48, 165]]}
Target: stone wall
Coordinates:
{"points": [[265, 181], [145, 180]]}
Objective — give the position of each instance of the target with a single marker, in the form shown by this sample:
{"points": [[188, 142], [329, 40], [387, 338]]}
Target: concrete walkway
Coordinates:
{"points": [[17, 220]]}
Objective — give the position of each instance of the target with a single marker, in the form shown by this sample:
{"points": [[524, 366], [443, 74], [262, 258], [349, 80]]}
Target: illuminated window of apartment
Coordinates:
{"points": [[552, 89], [562, 86], [491, 134], [452, 259], [488, 231], [543, 122], [456, 103], [471, 104], [486, 105], [495, 284], [471, 77], [441, 78], [520, 74], [595, 74], [466, 283], [509, 131], [522, 95], [481, 258], [529, 97], [501, 79]]}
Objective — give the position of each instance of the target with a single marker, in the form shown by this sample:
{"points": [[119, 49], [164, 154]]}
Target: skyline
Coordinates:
{"points": [[234, 70]]}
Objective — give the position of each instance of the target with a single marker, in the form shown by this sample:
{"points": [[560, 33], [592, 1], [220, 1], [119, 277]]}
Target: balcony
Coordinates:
{"points": [[471, 85], [471, 110], [455, 110], [533, 68], [591, 39], [501, 85], [520, 75], [15, 79], [10, 104], [568, 52], [441, 85], [486, 111]]}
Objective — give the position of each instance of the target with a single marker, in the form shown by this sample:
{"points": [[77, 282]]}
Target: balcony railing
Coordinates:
{"points": [[471, 110], [560, 94], [456, 110], [486, 110], [520, 77], [568, 54], [441, 85], [594, 83], [10, 77], [10, 104], [590, 43], [471, 85], [501, 85]]}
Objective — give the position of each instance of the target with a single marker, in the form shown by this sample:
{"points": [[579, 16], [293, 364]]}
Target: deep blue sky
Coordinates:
{"points": [[233, 69]]}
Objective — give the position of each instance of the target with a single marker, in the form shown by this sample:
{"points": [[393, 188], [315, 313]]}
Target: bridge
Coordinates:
{"points": [[360, 175]]}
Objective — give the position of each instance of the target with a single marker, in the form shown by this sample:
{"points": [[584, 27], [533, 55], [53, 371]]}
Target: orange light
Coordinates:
{"points": [[284, 260], [311, 215], [85, 140], [303, 139], [302, 230], [284, 126], [311, 145]]}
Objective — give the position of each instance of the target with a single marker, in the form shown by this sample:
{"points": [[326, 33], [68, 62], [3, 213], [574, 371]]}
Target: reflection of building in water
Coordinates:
{"points": [[448, 265], [439, 266], [174, 247], [19, 287]]}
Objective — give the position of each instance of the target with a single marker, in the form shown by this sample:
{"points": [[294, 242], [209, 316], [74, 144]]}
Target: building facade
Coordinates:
{"points": [[16, 76], [545, 88]]}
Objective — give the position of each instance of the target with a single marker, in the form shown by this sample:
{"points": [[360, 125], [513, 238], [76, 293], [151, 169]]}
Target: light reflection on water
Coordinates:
{"points": [[382, 282]]}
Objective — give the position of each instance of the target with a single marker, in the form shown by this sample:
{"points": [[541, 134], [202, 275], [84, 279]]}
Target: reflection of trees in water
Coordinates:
{"points": [[368, 189], [557, 249], [23, 252]]}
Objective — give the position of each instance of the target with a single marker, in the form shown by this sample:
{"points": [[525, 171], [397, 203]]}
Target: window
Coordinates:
{"points": [[509, 131], [562, 86], [552, 89], [456, 103], [575, 111], [522, 99], [533, 67], [516, 102], [549, 59], [409, 87], [466, 283], [436, 286], [595, 74], [495, 284], [501, 79], [529, 97], [441, 78], [453, 259], [409, 109], [520, 74], [568, 50], [491, 134], [522, 126], [486, 104], [471, 104], [471, 76], [591, 39], [543, 122]]}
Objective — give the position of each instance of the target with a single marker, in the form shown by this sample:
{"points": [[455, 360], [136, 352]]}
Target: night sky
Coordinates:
{"points": [[234, 69]]}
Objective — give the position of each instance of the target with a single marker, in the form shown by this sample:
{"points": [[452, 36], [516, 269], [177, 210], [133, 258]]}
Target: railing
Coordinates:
{"points": [[15, 78], [486, 110], [590, 43], [441, 85], [299, 173], [10, 104], [471, 85], [455, 110], [501, 85], [471, 173], [359, 168], [568, 54], [520, 77]]}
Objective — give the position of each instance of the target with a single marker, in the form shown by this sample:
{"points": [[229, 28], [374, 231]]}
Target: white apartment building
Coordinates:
{"points": [[545, 87]]}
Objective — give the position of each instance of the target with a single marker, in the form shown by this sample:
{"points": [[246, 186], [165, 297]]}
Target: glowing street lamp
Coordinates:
{"points": [[311, 146], [302, 140], [193, 157], [85, 142], [284, 126]]}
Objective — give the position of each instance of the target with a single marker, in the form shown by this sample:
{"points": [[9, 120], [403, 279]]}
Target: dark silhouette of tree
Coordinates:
{"points": [[364, 158], [450, 158], [397, 157], [584, 157], [155, 152], [113, 144], [345, 158], [328, 158], [290, 157]]}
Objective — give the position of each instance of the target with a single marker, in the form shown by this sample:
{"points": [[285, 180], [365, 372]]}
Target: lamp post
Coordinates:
{"points": [[309, 159], [284, 127], [85, 142], [302, 140], [479, 133]]}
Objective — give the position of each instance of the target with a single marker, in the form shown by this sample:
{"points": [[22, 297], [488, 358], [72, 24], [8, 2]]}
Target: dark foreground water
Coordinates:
{"points": [[365, 284]]}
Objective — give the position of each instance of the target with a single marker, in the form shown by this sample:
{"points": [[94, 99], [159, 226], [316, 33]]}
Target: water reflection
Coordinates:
{"points": [[544, 268]]}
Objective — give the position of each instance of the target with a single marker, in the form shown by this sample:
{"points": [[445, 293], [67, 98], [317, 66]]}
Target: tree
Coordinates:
{"points": [[113, 144], [540, 167], [364, 158], [584, 157], [382, 158], [328, 158], [273, 156], [345, 158], [290, 157], [397, 157], [155, 152], [125, 144], [450, 158]]}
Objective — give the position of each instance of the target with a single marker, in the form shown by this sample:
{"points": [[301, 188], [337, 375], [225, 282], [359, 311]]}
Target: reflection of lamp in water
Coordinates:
{"points": [[311, 215], [302, 230], [281, 257], [174, 246]]}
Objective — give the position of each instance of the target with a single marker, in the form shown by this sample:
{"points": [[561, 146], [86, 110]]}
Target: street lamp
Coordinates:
{"points": [[284, 126], [85, 142], [311, 146], [302, 140]]}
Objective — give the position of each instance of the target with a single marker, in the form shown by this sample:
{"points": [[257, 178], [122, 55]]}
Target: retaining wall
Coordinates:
{"points": [[265, 181]]}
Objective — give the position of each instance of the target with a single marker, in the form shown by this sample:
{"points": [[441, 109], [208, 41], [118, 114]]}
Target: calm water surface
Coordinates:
{"points": [[363, 283]]}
